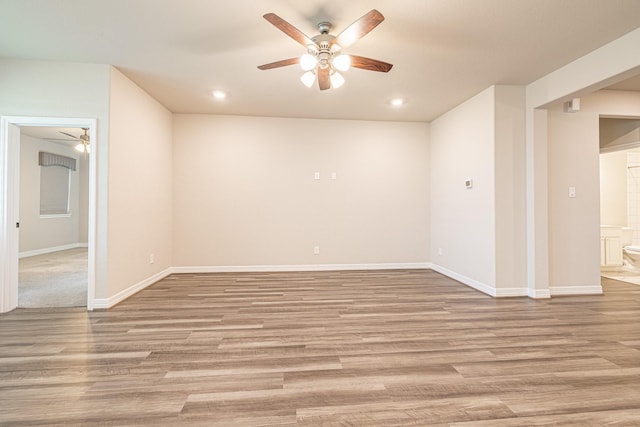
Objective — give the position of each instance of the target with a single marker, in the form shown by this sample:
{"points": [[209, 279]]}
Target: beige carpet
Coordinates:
{"points": [[58, 279]]}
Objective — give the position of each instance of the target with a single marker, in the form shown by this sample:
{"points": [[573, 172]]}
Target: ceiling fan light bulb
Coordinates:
{"points": [[308, 62], [308, 78], [336, 80], [342, 62], [80, 147], [218, 94]]}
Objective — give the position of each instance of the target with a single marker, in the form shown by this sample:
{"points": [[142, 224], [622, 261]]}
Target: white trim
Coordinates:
{"points": [[511, 292], [538, 293], [8, 255], [105, 303], [43, 251], [47, 216], [311, 267], [576, 290], [9, 202], [482, 287]]}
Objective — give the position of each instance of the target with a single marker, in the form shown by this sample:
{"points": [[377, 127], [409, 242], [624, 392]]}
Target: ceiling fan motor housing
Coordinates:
{"points": [[324, 27], [323, 49]]}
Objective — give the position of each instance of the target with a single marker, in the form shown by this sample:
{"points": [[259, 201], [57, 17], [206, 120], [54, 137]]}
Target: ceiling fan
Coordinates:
{"points": [[83, 140], [324, 58]]}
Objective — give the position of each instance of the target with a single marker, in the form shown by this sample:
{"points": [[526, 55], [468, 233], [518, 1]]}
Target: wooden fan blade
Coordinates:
{"points": [[323, 78], [289, 29], [358, 29], [283, 63], [60, 139], [370, 64], [68, 134]]}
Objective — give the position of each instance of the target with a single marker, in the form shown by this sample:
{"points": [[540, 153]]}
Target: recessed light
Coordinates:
{"points": [[218, 94], [397, 102]]}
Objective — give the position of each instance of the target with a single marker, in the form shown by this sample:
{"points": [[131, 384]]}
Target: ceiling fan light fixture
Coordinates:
{"points": [[80, 147], [342, 62], [219, 94], [324, 58], [308, 62], [308, 78], [336, 80]]}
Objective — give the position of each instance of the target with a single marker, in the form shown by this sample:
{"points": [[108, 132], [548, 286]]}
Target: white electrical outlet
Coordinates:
{"points": [[439, 251], [152, 258], [316, 250]]}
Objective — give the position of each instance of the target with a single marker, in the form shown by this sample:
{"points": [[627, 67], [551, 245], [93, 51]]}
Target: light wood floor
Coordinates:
{"points": [[349, 348]]}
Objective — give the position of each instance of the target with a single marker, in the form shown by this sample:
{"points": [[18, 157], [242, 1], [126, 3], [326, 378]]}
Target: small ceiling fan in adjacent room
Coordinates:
{"points": [[325, 59], [83, 141]]}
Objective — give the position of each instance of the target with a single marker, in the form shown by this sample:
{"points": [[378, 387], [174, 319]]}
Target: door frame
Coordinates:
{"points": [[9, 203]]}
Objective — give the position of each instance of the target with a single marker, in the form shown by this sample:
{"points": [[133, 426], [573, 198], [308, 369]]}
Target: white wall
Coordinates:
{"points": [[463, 220], [60, 89], [574, 160], [245, 193], [140, 183], [612, 63], [43, 233], [574, 223], [83, 199], [478, 234], [510, 182], [613, 188]]}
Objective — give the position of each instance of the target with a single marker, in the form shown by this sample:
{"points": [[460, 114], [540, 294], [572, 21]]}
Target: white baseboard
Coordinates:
{"points": [[538, 293], [311, 267], [576, 290], [43, 251], [482, 287], [105, 303], [511, 292]]}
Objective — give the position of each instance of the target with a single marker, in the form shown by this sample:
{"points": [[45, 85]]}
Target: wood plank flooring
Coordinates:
{"points": [[390, 348]]}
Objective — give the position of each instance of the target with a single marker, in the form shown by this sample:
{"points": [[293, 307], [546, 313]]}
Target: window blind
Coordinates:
{"points": [[50, 159]]}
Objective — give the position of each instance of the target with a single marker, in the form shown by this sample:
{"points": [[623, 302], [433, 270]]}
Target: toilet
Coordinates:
{"points": [[630, 253]]}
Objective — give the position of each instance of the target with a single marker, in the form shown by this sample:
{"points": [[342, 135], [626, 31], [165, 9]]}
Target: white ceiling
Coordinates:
{"points": [[443, 51]]}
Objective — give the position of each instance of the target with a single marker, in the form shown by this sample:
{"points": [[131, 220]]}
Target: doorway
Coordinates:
{"points": [[53, 234], [12, 131], [620, 199]]}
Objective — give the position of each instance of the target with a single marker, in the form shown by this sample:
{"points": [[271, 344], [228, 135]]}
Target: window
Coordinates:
{"points": [[55, 183]]}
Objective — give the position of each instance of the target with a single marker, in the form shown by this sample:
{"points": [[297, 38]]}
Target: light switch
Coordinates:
{"points": [[572, 192], [316, 175], [334, 175]]}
